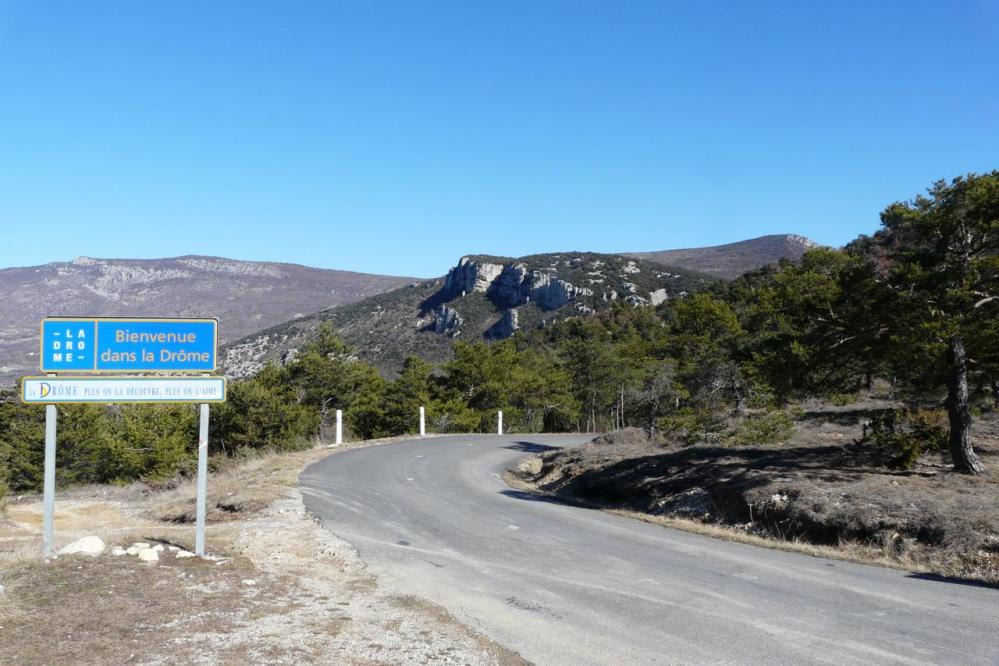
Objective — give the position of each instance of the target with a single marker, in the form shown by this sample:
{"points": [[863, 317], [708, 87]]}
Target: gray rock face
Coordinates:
{"points": [[552, 293], [658, 296], [636, 301], [447, 321], [471, 276], [511, 285], [508, 324]]}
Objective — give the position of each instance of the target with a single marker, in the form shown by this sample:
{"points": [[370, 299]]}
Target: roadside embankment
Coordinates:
{"points": [[819, 493]]}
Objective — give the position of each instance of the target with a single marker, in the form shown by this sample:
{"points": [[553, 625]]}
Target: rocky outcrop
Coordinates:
{"points": [[551, 293], [511, 285], [636, 301], [447, 321], [658, 296], [470, 276], [508, 324]]}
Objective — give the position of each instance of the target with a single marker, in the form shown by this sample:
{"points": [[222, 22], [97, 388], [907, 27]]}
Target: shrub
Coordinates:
{"points": [[843, 399], [906, 434], [258, 415], [454, 416], [691, 426], [767, 428], [3, 491]]}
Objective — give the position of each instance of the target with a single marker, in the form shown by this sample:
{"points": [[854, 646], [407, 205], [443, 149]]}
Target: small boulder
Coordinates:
{"points": [[90, 545], [158, 548], [181, 554], [118, 551], [132, 550], [173, 548], [141, 544], [149, 555]]}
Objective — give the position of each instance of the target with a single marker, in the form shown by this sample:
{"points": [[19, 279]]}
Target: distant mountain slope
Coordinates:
{"points": [[246, 296], [732, 260], [483, 297]]}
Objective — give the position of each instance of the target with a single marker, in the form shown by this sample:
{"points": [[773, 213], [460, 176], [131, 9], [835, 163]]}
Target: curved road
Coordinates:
{"points": [[566, 585]]}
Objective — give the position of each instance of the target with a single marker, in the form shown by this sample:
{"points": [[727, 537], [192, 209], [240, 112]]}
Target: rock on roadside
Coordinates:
{"points": [[89, 545], [149, 555]]}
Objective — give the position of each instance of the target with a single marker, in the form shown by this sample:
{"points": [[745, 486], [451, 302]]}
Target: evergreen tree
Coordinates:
{"points": [[942, 260]]}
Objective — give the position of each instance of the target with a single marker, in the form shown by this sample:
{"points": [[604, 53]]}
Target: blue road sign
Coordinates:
{"points": [[95, 344]]}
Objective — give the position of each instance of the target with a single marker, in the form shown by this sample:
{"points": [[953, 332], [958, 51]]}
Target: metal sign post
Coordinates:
{"points": [[202, 500], [48, 503], [104, 346]]}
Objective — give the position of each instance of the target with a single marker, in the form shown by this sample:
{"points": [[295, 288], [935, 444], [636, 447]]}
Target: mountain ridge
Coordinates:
{"points": [[730, 260], [488, 297], [483, 297], [246, 296]]}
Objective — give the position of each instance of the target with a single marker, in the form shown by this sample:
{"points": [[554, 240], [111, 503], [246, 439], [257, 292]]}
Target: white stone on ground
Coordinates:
{"points": [[149, 555], [184, 553], [118, 551], [249, 581], [132, 550], [89, 545], [158, 548], [141, 544]]}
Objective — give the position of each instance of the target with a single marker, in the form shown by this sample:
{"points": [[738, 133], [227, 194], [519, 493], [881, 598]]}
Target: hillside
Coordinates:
{"points": [[246, 296], [733, 259], [481, 298]]}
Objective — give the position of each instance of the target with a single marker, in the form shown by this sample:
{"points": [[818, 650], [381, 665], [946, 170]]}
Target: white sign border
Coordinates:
{"points": [[114, 400]]}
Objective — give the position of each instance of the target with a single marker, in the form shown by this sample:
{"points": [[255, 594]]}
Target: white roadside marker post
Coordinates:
{"points": [[423, 422], [48, 510], [202, 501], [339, 427], [499, 429]]}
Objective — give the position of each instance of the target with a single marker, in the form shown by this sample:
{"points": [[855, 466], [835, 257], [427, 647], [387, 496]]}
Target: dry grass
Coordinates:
{"points": [[236, 489], [113, 610], [849, 552], [116, 523], [285, 591]]}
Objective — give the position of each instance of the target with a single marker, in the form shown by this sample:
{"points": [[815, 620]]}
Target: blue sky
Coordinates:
{"points": [[394, 137]]}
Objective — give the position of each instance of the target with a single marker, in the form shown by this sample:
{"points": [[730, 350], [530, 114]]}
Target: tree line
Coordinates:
{"points": [[915, 306]]}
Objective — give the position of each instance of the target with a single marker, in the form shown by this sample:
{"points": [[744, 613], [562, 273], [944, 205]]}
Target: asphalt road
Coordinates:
{"points": [[566, 585]]}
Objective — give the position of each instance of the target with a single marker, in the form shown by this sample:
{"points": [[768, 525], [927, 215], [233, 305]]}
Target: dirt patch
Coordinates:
{"points": [[819, 489], [279, 590]]}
